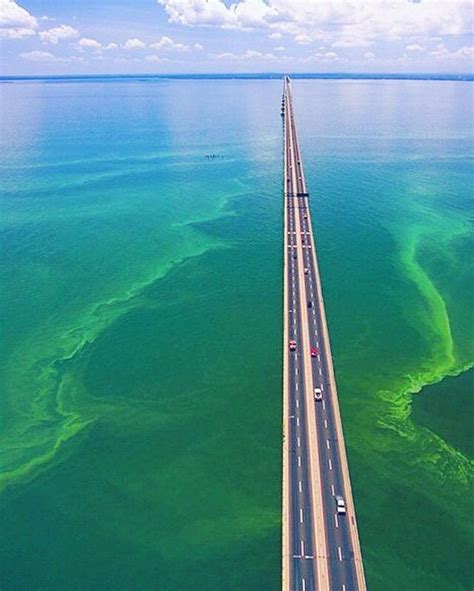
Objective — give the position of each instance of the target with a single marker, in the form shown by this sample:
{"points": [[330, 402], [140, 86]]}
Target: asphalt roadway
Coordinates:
{"points": [[323, 549]]}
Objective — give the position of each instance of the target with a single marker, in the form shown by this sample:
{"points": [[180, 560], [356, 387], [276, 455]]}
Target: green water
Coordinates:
{"points": [[141, 305], [438, 410]]}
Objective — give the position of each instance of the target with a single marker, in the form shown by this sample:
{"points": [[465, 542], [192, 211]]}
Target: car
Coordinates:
{"points": [[292, 345], [295, 256], [314, 351], [318, 395], [340, 505], [310, 304], [305, 216], [302, 239], [306, 270]]}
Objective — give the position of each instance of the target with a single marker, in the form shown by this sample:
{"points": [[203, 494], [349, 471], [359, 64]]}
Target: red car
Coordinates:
{"points": [[292, 345], [314, 351]]}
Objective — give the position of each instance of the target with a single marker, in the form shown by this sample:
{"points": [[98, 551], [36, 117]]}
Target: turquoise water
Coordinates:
{"points": [[141, 306]]}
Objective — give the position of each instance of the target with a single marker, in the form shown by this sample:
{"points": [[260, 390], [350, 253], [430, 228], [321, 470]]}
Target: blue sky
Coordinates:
{"points": [[194, 36]]}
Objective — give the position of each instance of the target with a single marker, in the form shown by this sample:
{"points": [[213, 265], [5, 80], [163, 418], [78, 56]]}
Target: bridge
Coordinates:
{"points": [[320, 541]]}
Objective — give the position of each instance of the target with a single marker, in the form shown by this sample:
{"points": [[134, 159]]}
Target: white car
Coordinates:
{"points": [[318, 395], [306, 270], [340, 505]]}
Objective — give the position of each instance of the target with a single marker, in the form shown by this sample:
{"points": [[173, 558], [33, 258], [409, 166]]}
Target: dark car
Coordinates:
{"points": [[310, 304]]}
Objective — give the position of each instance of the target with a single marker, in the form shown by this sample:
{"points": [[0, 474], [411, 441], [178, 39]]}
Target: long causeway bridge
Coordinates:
{"points": [[321, 549]]}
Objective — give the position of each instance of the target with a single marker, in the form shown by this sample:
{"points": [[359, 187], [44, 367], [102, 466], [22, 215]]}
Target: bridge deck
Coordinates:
{"points": [[321, 548]]}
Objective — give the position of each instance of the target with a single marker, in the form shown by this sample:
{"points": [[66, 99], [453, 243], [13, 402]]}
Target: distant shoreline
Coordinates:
{"points": [[262, 76]]}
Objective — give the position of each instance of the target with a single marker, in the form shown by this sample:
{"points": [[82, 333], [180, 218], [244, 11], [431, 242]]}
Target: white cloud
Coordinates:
{"points": [[279, 48], [47, 57], [15, 21], [354, 18], [168, 44], [196, 12], [164, 44], [378, 29], [246, 14], [352, 41], [39, 56], [250, 54], [86, 43], [328, 57], [440, 50], [134, 44], [415, 47], [57, 33], [251, 14], [467, 52], [16, 33], [153, 59], [303, 39]]}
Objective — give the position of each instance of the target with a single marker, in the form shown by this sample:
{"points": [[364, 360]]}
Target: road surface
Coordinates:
{"points": [[321, 549]]}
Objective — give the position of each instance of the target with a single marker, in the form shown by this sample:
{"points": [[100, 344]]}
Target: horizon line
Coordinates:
{"points": [[259, 75]]}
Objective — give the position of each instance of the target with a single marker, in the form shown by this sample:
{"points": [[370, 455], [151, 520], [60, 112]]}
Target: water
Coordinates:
{"points": [[141, 306]]}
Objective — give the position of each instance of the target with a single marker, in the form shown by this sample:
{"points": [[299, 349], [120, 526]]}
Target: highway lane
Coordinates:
{"points": [[338, 549], [302, 540]]}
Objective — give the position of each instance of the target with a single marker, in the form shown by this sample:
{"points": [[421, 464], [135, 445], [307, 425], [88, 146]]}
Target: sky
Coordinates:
{"points": [[46, 37]]}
